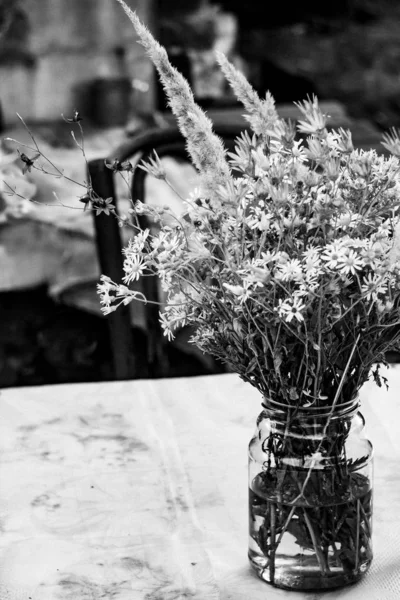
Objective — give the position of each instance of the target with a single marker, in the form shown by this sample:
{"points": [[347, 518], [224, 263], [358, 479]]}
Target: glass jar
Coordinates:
{"points": [[310, 496]]}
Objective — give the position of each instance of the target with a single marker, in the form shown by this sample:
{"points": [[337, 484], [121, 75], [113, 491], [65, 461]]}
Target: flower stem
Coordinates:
{"points": [[285, 526], [273, 543], [356, 561], [366, 521], [320, 557]]}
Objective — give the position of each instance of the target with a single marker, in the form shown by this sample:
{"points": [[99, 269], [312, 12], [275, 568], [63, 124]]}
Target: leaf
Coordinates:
{"points": [[252, 365], [300, 533], [277, 362]]}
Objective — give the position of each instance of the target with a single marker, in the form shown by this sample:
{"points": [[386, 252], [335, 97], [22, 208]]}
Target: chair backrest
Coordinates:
{"points": [[166, 142]]}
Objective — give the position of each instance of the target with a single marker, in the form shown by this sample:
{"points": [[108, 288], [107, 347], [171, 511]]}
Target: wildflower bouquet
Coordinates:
{"points": [[289, 271], [285, 262]]}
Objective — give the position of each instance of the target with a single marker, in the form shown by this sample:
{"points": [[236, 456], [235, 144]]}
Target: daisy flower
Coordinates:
{"points": [[261, 162], [171, 243], [372, 286], [369, 257], [104, 289], [133, 267], [291, 270], [347, 220], [237, 290], [259, 219], [333, 254], [255, 276], [267, 257], [385, 228], [138, 242], [311, 261], [332, 169], [350, 263], [291, 309], [167, 326], [309, 286], [297, 152], [315, 120]]}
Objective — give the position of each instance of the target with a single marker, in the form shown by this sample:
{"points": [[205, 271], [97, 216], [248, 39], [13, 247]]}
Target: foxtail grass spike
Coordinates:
{"points": [[262, 114], [204, 146]]}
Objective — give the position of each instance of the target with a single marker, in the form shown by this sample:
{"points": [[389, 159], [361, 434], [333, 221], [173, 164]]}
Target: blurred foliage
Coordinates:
{"points": [[195, 29], [14, 32], [13, 19]]}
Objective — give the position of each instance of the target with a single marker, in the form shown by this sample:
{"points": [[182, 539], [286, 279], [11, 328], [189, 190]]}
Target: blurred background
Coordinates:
{"points": [[57, 57]]}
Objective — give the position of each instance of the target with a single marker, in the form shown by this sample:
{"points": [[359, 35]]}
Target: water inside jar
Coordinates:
{"points": [[311, 546]]}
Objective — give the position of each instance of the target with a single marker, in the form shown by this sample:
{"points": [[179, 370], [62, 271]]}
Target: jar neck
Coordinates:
{"points": [[280, 411], [310, 420]]}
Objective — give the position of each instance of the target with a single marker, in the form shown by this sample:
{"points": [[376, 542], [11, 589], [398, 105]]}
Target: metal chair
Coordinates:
{"points": [[129, 360]]}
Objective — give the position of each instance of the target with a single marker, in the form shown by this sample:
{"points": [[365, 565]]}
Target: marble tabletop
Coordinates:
{"points": [[138, 491]]}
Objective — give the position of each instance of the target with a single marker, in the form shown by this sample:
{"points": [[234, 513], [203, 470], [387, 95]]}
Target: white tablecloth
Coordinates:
{"points": [[138, 491]]}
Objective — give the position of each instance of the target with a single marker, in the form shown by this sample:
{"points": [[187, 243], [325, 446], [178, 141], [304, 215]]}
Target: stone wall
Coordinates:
{"points": [[71, 43]]}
